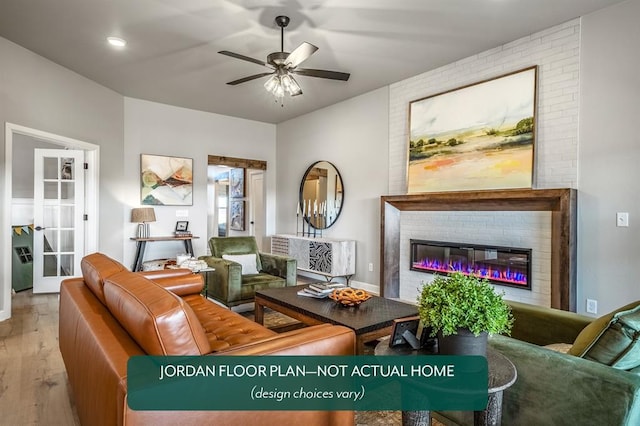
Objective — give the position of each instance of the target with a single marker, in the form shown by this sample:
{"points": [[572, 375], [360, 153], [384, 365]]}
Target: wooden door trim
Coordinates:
{"points": [[245, 163]]}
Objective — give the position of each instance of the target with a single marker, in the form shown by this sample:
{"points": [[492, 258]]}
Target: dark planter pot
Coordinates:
{"points": [[462, 343]]}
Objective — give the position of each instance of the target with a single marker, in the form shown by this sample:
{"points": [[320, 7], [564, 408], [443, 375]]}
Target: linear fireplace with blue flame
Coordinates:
{"points": [[508, 266]]}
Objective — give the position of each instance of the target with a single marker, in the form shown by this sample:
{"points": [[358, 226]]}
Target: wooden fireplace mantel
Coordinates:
{"points": [[560, 202]]}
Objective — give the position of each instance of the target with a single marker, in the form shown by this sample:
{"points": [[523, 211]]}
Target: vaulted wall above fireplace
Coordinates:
{"points": [[560, 202]]}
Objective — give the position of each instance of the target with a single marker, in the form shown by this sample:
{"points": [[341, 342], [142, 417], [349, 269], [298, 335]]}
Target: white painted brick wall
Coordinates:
{"points": [[512, 229], [556, 52]]}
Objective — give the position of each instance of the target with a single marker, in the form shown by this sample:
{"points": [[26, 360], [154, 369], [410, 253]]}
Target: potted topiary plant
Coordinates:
{"points": [[463, 308]]}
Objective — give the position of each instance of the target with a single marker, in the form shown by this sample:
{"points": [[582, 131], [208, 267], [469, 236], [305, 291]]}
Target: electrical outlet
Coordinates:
{"points": [[370, 267], [622, 219], [592, 306]]}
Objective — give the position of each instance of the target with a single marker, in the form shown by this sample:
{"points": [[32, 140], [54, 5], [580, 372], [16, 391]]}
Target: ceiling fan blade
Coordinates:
{"points": [[300, 54], [332, 75], [251, 77], [242, 57]]}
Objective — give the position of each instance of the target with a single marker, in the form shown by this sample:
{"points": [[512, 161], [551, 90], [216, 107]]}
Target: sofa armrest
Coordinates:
{"points": [[324, 339], [281, 266], [553, 388], [225, 283], [165, 273], [544, 326], [556, 388], [182, 285]]}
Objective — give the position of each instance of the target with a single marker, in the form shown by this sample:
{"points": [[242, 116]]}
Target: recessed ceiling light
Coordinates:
{"points": [[117, 42]]}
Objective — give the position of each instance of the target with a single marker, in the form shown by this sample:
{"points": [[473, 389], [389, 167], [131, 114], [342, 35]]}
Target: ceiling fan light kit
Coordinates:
{"points": [[284, 65]]}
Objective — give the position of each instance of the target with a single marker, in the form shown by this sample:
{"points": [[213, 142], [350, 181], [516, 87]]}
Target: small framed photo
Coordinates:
{"points": [[409, 331], [236, 183], [237, 215], [182, 226]]}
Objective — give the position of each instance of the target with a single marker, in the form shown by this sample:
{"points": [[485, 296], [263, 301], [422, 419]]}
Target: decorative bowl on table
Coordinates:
{"points": [[349, 296]]}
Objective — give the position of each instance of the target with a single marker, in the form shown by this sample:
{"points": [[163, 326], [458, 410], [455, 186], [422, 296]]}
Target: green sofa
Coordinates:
{"points": [[245, 270], [555, 388]]}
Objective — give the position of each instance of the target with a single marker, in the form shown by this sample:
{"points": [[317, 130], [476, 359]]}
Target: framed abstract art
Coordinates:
{"points": [[166, 181]]}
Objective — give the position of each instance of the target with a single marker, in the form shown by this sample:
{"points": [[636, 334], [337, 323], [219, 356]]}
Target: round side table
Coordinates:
{"points": [[502, 374]]}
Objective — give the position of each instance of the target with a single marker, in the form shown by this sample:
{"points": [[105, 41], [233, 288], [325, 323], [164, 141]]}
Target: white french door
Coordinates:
{"points": [[58, 217]]}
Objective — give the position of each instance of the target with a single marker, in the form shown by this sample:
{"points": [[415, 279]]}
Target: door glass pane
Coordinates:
{"points": [[50, 265], [50, 190], [50, 240], [66, 265], [66, 241], [66, 191], [50, 216], [66, 172], [50, 166], [66, 216]]}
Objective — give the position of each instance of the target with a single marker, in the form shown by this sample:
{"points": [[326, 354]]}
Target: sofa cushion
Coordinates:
{"points": [[224, 328], [262, 281], [96, 267], [612, 339], [158, 320], [247, 261]]}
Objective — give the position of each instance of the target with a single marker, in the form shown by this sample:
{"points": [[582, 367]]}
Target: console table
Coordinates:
{"points": [[141, 245], [323, 256]]}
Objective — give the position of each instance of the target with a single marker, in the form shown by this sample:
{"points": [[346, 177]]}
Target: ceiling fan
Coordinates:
{"points": [[283, 65]]}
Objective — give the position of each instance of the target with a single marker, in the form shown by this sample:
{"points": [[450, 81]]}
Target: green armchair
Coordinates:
{"points": [[240, 270], [555, 388]]}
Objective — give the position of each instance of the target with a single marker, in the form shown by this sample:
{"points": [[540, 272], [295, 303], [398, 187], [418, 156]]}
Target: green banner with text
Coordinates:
{"points": [[307, 383]]}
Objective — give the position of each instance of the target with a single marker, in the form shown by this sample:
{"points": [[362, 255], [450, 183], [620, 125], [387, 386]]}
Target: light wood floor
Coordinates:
{"points": [[33, 382]]}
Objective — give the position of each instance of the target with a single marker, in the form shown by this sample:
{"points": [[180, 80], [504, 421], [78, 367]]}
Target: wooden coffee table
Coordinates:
{"points": [[371, 320]]}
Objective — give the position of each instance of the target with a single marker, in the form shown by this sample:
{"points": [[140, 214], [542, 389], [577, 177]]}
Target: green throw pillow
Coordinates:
{"points": [[612, 339]]}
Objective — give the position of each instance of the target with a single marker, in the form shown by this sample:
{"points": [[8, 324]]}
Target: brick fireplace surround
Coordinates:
{"points": [[562, 203]]}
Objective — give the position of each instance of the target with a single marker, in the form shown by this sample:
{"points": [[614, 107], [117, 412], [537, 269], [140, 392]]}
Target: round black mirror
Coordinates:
{"points": [[321, 195]]}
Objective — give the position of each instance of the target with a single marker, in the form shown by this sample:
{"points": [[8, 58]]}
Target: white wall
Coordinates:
{"points": [[153, 128], [39, 94], [556, 51], [609, 158], [353, 136]]}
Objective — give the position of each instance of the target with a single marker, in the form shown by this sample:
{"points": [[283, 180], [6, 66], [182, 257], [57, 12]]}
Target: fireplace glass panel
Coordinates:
{"points": [[508, 266]]}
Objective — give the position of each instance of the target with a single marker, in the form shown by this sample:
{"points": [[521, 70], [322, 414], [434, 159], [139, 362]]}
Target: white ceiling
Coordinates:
{"points": [[172, 58]]}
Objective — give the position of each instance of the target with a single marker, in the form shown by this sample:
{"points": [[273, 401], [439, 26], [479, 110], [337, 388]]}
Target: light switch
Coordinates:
{"points": [[622, 219], [182, 213]]}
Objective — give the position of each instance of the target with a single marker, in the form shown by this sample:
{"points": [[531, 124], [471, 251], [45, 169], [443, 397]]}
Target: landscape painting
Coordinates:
{"points": [[477, 137]]}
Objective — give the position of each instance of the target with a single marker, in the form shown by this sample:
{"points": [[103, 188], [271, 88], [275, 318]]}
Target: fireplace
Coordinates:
{"points": [[561, 203], [509, 266]]}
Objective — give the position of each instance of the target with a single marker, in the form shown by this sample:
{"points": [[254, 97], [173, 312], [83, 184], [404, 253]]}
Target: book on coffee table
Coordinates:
{"points": [[326, 287], [309, 292]]}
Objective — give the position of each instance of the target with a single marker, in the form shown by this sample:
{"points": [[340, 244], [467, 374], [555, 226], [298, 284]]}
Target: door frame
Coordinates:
{"points": [[251, 208], [92, 157]]}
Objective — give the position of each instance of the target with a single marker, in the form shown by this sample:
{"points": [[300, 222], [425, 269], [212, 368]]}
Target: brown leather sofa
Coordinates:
{"points": [[111, 314]]}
